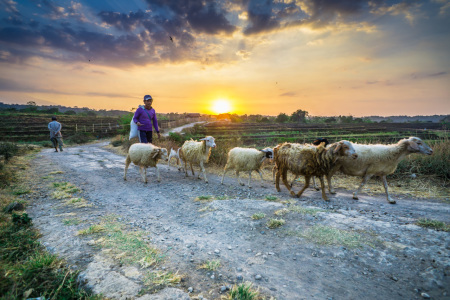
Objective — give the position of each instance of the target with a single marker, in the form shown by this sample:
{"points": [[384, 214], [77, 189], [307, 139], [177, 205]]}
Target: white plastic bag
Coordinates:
{"points": [[133, 130]]}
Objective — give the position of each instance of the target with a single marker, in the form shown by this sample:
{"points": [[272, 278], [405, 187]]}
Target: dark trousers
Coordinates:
{"points": [[145, 136]]}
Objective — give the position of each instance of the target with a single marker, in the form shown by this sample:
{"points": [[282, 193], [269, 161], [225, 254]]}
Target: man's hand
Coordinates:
{"points": [[159, 136], [139, 124]]}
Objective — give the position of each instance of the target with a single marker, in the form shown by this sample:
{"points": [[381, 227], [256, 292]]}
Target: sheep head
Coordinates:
{"points": [[345, 148], [160, 153], [416, 145], [268, 152], [209, 141]]}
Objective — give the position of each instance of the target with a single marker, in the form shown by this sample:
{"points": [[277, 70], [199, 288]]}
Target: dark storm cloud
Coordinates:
{"points": [[141, 36], [202, 16]]}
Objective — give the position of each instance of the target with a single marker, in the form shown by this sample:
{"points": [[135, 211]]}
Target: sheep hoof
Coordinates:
{"points": [[332, 192], [392, 201], [326, 199], [355, 197], [249, 187], [293, 194], [242, 184], [317, 189]]}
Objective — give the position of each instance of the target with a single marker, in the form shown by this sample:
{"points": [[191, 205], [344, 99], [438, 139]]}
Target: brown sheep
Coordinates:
{"points": [[308, 160]]}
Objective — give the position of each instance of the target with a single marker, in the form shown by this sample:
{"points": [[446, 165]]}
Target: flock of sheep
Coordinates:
{"points": [[317, 160]]}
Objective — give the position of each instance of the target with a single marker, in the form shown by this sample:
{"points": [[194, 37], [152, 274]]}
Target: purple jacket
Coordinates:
{"points": [[142, 114]]}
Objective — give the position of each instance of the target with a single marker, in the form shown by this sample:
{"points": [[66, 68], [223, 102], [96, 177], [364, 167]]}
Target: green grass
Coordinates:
{"points": [[433, 224], [327, 235], [244, 291], [275, 223], [210, 265], [203, 198], [127, 247], [258, 216], [70, 222], [159, 278], [271, 198]]}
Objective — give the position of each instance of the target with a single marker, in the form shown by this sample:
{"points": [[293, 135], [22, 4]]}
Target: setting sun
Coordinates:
{"points": [[221, 106]]}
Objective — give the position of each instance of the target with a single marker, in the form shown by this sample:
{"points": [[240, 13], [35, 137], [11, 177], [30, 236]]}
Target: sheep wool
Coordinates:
{"points": [[144, 156], [197, 153], [308, 160], [246, 159], [378, 160]]}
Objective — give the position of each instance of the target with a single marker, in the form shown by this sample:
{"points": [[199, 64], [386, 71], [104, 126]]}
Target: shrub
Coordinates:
{"points": [[81, 138], [8, 150], [21, 220], [437, 164]]}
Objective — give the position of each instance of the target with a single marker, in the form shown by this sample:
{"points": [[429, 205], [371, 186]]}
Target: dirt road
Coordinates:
{"points": [[342, 249]]}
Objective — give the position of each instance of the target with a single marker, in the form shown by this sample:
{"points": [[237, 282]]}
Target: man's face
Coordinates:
{"points": [[148, 104]]}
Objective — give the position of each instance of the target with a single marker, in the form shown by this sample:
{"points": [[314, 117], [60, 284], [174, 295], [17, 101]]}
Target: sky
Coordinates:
{"points": [[327, 57]]}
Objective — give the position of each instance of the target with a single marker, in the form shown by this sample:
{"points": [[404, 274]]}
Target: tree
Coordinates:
{"points": [[31, 103], [70, 112], [299, 116], [282, 118]]}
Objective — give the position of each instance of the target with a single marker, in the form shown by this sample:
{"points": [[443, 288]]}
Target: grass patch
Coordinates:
{"points": [[326, 235], [203, 198], [305, 210], [97, 228], [77, 202], [210, 265], [433, 224], [127, 247], [63, 190], [275, 223], [244, 291], [271, 198], [258, 216], [56, 172], [71, 222], [281, 212], [27, 270], [162, 278]]}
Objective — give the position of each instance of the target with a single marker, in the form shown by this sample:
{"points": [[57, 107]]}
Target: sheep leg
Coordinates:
{"points": [[203, 171], [262, 180], [192, 169], [330, 186], [307, 179], [314, 183], [249, 179], [239, 180], [293, 180], [127, 164], [322, 185], [388, 197], [143, 172], [363, 183], [185, 169], [277, 181], [224, 172], [286, 183], [157, 174], [274, 172]]}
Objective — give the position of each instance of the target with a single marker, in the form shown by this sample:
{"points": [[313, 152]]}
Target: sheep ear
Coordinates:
{"points": [[338, 147], [156, 152], [413, 145]]}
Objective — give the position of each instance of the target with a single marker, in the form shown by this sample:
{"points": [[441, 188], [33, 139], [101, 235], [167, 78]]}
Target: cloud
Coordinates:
{"points": [[288, 94]]}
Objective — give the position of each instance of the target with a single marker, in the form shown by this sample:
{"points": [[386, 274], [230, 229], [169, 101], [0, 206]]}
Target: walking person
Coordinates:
{"points": [[144, 117], [55, 134]]}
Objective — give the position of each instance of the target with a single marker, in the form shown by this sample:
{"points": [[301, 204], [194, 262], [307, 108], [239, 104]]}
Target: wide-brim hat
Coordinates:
{"points": [[147, 97]]}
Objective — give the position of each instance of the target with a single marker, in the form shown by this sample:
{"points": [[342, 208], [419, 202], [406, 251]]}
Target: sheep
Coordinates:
{"points": [[176, 155], [144, 156], [316, 142], [193, 152], [309, 161], [246, 159], [378, 160]]}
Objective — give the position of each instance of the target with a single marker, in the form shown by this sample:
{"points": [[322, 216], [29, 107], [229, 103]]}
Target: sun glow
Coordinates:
{"points": [[221, 106]]}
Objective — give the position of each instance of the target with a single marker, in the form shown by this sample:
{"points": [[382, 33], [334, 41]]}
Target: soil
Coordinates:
{"points": [[392, 259]]}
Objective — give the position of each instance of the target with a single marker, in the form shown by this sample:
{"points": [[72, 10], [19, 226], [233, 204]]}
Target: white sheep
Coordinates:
{"points": [[246, 159], [176, 155], [378, 160], [308, 160], [144, 156], [198, 153]]}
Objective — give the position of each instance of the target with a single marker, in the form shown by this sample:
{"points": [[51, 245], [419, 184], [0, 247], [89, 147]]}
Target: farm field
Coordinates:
{"points": [[33, 127], [263, 134]]}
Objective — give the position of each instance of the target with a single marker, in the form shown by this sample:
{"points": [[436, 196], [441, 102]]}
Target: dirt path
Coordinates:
{"points": [[381, 254], [179, 129]]}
